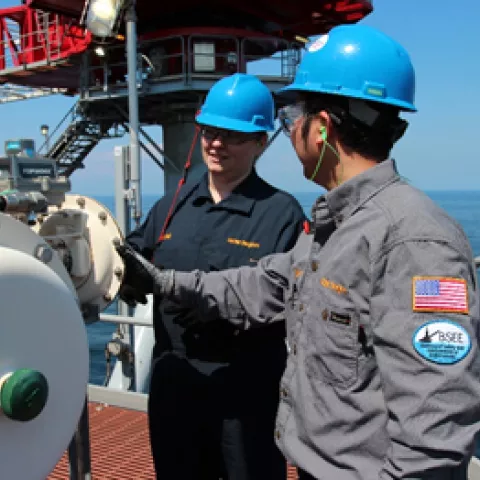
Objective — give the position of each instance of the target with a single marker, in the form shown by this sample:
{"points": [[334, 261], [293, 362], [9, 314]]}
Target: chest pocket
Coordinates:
{"points": [[332, 344]]}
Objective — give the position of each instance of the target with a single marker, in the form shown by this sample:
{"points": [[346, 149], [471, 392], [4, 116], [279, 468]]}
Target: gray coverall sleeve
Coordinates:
{"points": [[247, 296], [433, 397]]}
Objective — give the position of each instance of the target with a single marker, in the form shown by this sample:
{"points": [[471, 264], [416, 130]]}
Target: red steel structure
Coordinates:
{"points": [[46, 36]]}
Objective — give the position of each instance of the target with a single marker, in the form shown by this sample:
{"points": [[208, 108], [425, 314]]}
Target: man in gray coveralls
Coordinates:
{"points": [[381, 298]]}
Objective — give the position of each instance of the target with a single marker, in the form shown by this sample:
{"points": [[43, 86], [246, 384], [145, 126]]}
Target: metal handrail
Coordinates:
{"points": [[287, 59], [97, 72], [41, 36], [69, 115], [118, 398], [123, 319], [288, 54]]}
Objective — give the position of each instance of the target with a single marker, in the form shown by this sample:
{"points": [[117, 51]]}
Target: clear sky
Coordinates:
{"points": [[437, 152]]}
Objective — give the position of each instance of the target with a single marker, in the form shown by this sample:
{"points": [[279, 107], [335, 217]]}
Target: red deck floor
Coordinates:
{"points": [[119, 446]]}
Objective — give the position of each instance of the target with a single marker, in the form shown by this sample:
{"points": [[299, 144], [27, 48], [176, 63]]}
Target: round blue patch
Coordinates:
{"points": [[442, 341]]}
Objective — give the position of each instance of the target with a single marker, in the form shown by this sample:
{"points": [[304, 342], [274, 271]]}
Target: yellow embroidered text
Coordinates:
{"points": [[332, 286], [243, 243]]}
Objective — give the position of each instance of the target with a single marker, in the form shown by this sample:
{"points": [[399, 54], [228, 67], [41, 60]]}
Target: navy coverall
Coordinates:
{"points": [[215, 389]]}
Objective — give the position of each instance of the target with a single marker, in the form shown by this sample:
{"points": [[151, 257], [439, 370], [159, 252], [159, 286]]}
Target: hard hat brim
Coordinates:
{"points": [[219, 121], [289, 93]]}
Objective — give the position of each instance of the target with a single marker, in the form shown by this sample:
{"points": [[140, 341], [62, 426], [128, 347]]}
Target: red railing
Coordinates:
{"points": [[30, 36]]}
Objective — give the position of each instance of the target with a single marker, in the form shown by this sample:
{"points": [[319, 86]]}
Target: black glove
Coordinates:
{"points": [[131, 296], [142, 276], [137, 282]]}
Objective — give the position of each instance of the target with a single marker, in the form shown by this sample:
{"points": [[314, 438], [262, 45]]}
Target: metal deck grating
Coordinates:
{"points": [[120, 448], [119, 443]]}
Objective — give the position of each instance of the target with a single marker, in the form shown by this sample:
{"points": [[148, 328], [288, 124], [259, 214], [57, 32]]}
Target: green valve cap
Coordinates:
{"points": [[24, 395]]}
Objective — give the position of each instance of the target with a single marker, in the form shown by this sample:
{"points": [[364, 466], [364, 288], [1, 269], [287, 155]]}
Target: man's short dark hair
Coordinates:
{"points": [[365, 127]]}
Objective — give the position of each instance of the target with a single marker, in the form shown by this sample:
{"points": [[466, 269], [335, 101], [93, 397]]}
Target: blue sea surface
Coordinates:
{"points": [[464, 206]]}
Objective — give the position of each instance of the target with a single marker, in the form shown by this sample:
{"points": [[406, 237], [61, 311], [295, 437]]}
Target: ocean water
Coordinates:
{"points": [[463, 206]]}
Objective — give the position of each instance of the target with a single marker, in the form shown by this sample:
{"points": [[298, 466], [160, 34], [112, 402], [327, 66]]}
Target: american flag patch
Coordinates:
{"points": [[440, 294]]}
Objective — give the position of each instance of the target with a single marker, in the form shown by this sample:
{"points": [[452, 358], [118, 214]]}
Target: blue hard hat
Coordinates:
{"points": [[238, 102], [357, 61]]}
